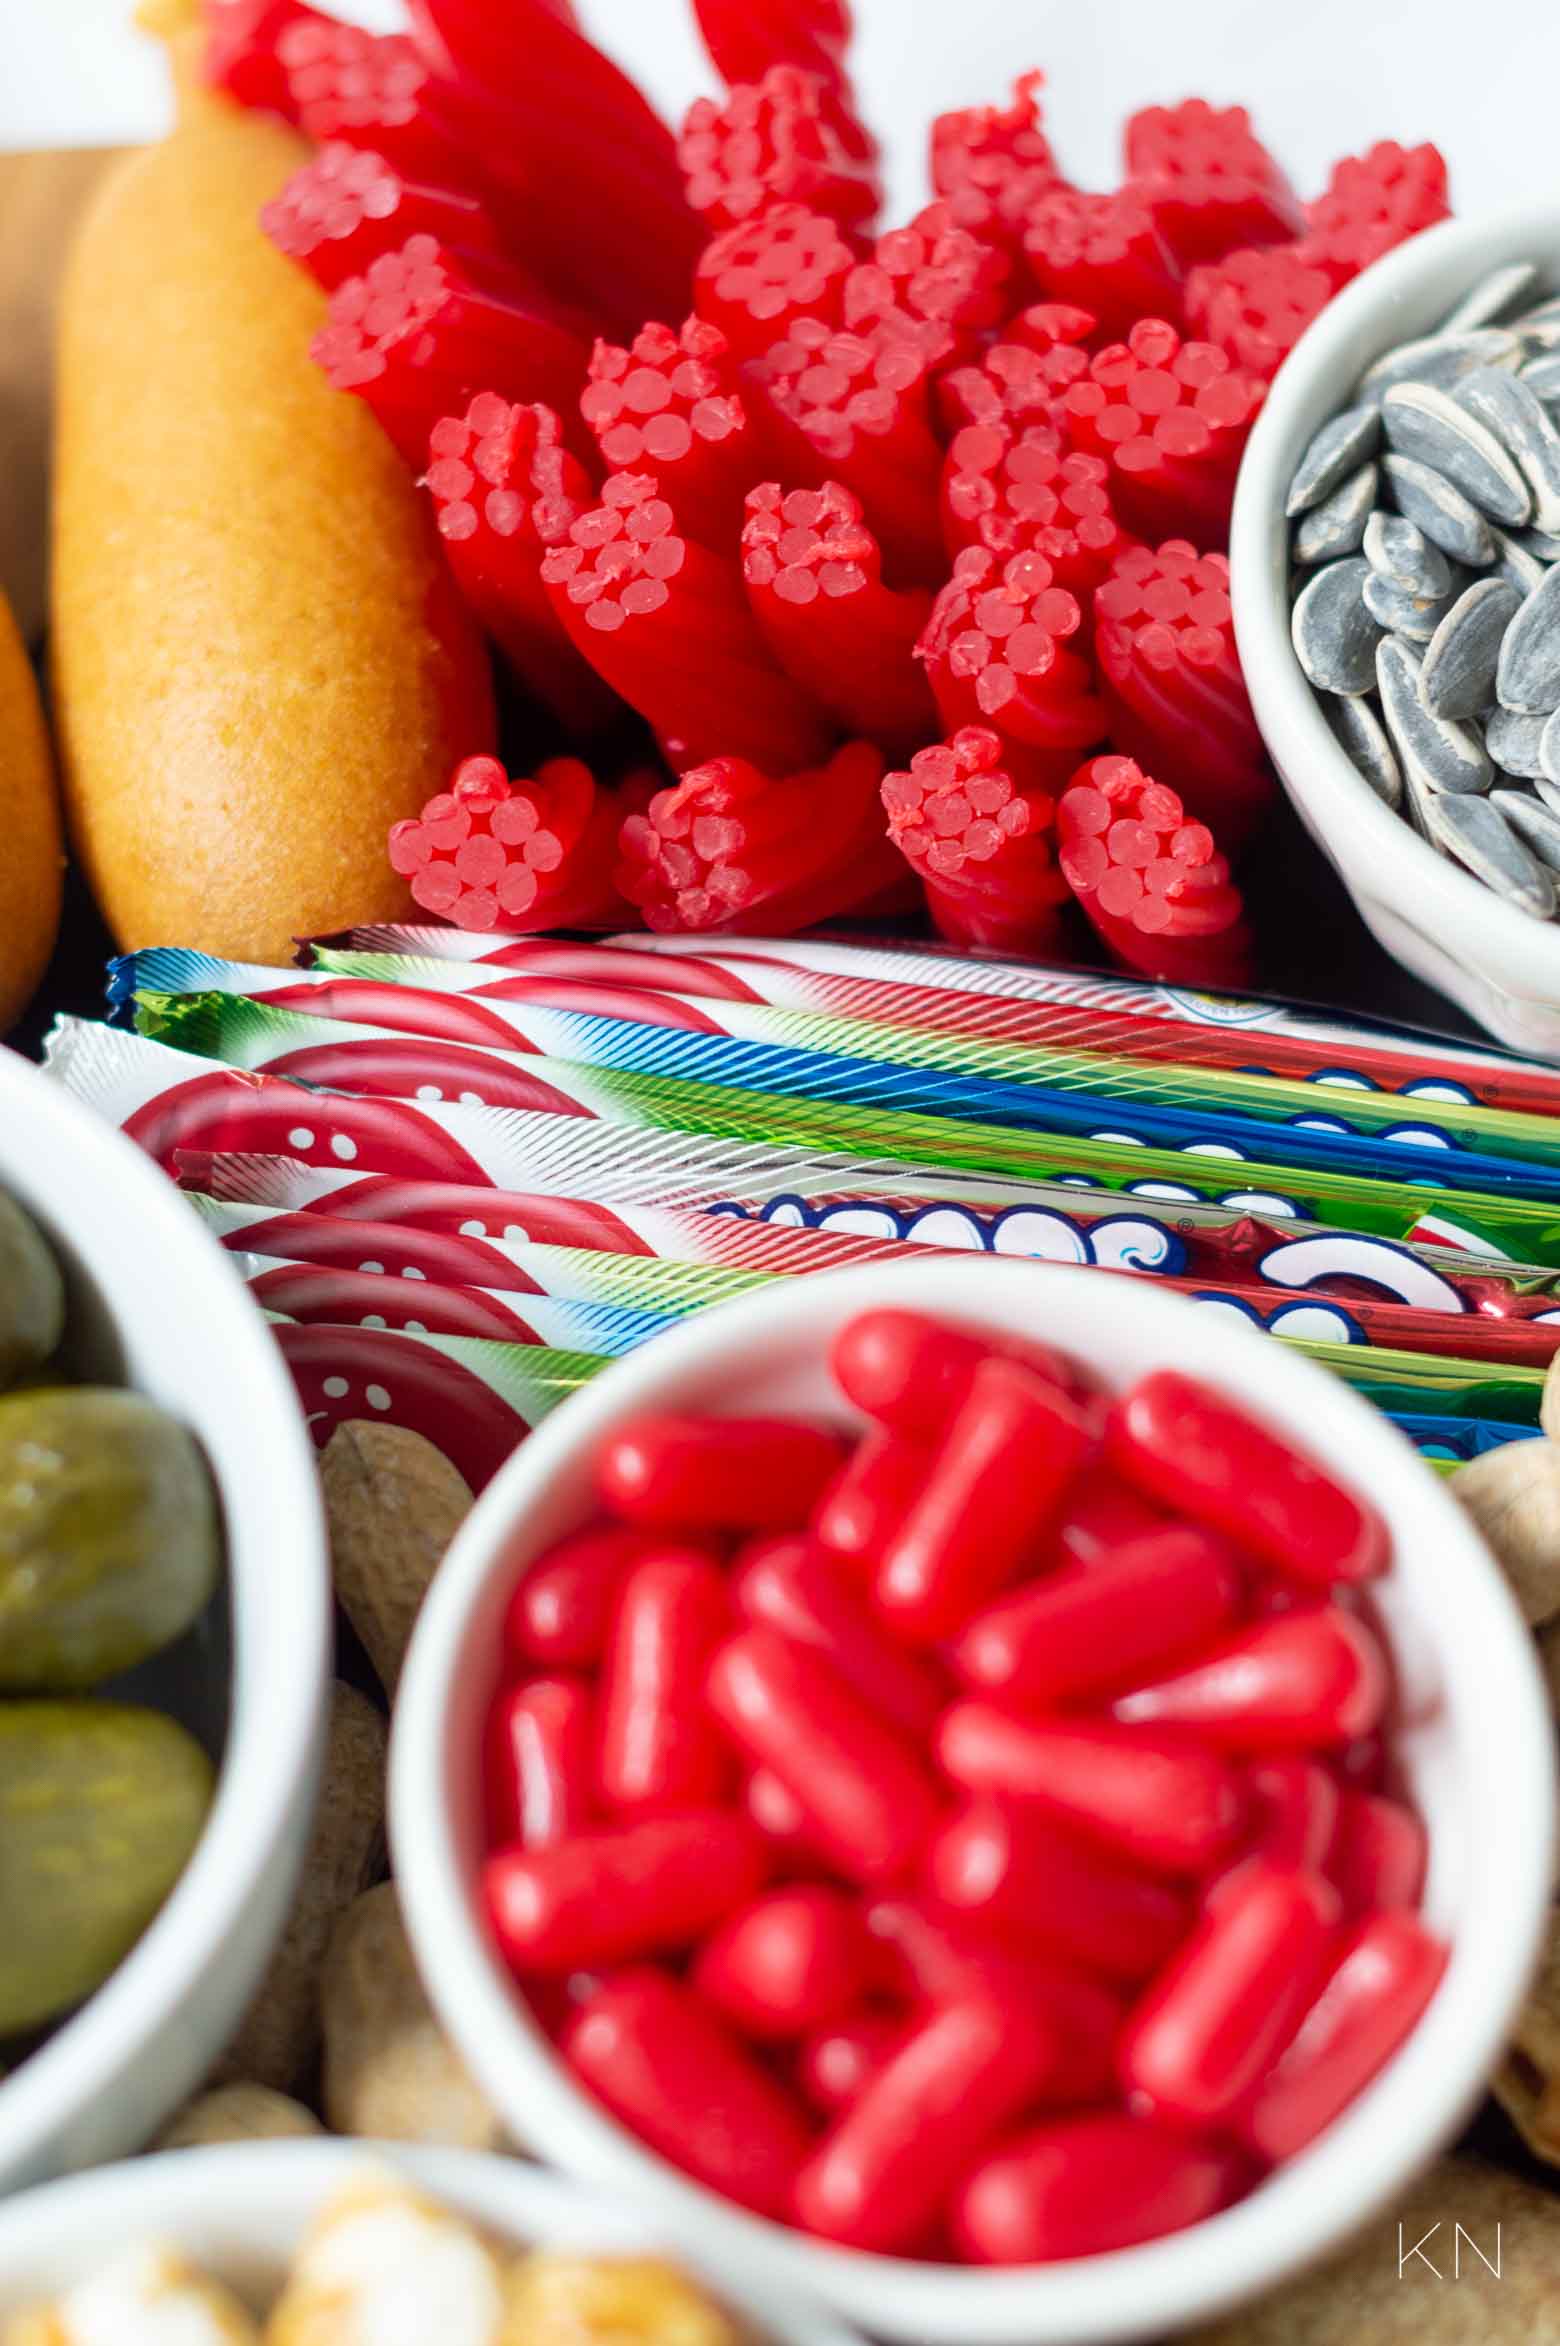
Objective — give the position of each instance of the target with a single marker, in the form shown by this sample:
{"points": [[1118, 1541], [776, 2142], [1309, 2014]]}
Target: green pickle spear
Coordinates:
{"points": [[101, 1806], [109, 1541], [32, 1295]]}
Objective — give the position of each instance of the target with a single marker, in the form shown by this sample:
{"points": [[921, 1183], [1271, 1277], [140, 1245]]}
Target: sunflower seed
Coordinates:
{"points": [[1362, 737], [1539, 335], [1337, 525], [1335, 636], [1512, 740], [1440, 359], [1517, 418], [1464, 653], [1404, 556], [1424, 422], [1416, 806], [1481, 839], [1492, 298], [1543, 313], [1543, 546], [1549, 749], [1548, 791], [1415, 617], [1444, 514], [1515, 564], [1542, 377], [1536, 825], [1339, 449], [1529, 673], [1442, 754]]}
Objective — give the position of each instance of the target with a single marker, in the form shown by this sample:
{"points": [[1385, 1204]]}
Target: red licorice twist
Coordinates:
{"points": [[933, 282], [368, 90], [1104, 252], [1165, 645], [814, 581], [1021, 379], [665, 622], [746, 37], [979, 843], [1005, 490], [996, 652], [347, 206], [1210, 183], [504, 489], [993, 163], [1371, 203], [729, 845], [1171, 419], [774, 141], [241, 50], [492, 853], [424, 329], [756, 281], [1153, 884], [1254, 306], [860, 414], [671, 404]]}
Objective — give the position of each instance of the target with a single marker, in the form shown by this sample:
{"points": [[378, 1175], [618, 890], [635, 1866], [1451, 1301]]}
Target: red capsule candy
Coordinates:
{"points": [[881, 2176], [994, 1489], [787, 1585], [1388, 1970], [779, 1817], [1297, 1809], [1303, 1682], [1186, 1446], [1212, 2023], [866, 1799], [870, 1496], [561, 1612], [913, 1373], [788, 1963], [720, 1473], [660, 1747], [663, 2062], [1084, 2186], [1098, 1626], [541, 1746], [609, 1896], [1155, 1800], [837, 2063], [1016, 1874], [1379, 1856], [1103, 1514]]}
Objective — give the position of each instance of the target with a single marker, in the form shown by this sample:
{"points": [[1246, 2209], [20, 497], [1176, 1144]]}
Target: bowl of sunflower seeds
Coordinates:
{"points": [[1395, 570]]}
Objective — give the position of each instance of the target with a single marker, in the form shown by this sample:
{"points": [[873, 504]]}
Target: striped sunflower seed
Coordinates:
{"points": [[1416, 806], [1536, 825], [1337, 525], [1362, 737], [1335, 637], [1492, 299], [1529, 673], [1544, 547], [1440, 359], [1549, 750], [1414, 617], [1515, 564], [1438, 751], [1458, 679], [1539, 335], [1481, 839], [1548, 791], [1542, 377], [1429, 424], [1401, 554], [1512, 740], [1512, 411], [1342, 445], [1543, 313], [1448, 520]]}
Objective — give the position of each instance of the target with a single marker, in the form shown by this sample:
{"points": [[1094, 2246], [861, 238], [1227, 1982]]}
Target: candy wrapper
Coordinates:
{"points": [[757, 1145], [564, 1317], [603, 1029], [968, 993]]}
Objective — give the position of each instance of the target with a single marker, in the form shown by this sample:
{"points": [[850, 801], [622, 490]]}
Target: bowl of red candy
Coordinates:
{"points": [[1025, 1812]]}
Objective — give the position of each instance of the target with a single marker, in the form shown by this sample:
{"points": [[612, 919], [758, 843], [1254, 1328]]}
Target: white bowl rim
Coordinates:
{"points": [[1386, 2138], [270, 1756], [1448, 900], [227, 2183]]}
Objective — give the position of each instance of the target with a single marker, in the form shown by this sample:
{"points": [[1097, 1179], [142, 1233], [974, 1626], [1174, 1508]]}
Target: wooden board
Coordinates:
{"points": [[41, 198]]}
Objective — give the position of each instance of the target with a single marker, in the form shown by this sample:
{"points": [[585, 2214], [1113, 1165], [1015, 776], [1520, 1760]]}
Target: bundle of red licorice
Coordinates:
{"points": [[905, 545]]}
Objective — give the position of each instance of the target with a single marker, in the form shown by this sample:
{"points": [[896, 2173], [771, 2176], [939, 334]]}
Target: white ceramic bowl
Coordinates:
{"points": [[1499, 965], [241, 2210], [1477, 1743], [155, 1303]]}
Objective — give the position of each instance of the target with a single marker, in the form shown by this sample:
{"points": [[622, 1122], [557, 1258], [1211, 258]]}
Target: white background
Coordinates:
{"points": [[1480, 77]]}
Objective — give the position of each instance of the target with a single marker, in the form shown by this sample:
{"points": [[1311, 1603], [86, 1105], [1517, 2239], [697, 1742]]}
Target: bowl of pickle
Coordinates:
{"points": [[163, 1639]]}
